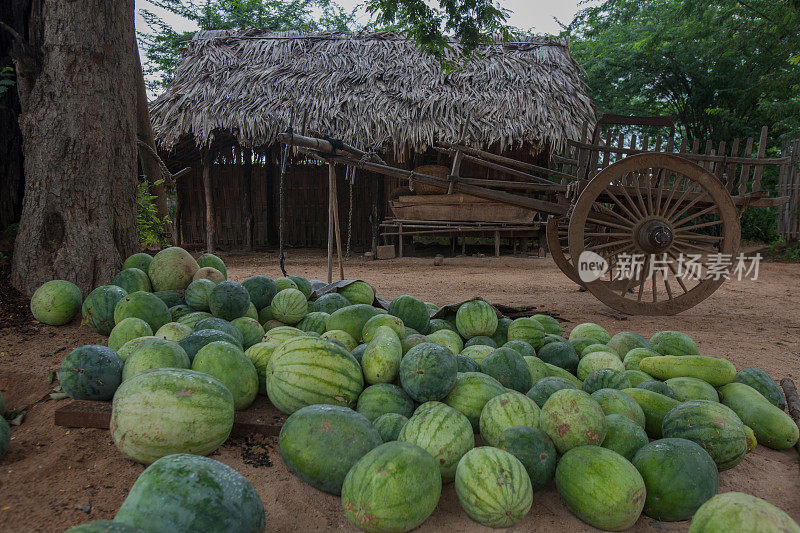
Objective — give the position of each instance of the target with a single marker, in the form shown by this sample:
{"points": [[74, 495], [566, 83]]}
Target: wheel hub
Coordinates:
{"points": [[654, 236]]}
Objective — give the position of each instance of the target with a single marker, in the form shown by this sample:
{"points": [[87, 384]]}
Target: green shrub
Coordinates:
{"points": [[149, 227]]}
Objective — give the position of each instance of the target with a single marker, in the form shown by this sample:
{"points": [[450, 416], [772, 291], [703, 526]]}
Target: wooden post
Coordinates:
{"points": [[247, 178], [331, 183], [496, 243], [337, 232], [208, 161], [400, 239]]}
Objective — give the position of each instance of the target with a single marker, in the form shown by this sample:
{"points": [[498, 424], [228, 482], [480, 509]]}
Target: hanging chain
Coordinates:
{"points": [[351, 177], [284, 157]]}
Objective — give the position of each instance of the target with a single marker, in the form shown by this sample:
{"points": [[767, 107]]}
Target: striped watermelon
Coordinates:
{"points": [[170, 410], [289, 306], [572, 418], [98, 308], [505, 411], [383, 398], [528, 330], [470, 394], [413, 312], [358, 292], [493, 487], [395, 487], [476, 318], [390, 425], [428, 372], [308, 370], [441, 431]]}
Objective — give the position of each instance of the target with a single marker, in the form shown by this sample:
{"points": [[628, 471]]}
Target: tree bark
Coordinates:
{"points": [[78, 99]]}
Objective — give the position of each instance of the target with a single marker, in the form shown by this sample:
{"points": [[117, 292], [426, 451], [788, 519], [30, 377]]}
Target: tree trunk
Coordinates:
{"points": [[78, 99]]}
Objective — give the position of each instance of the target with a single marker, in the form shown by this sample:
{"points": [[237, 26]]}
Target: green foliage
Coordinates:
{"points": [[6, 81], [149, 227], [759, 224]]}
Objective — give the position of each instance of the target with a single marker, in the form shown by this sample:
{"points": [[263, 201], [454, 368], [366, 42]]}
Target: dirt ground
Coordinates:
{"points": [[53, 477]]}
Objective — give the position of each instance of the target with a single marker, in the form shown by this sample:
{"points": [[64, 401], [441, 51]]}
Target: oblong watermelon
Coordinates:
{"points": [[590, 330], [509, 368], [545, 387], [616, 402], [673, 343], [154, 353], [192, 343], [358, 292], [737, 511], [328, 303], [169, 410], [127, 330], [624, 436], [763, 383]]}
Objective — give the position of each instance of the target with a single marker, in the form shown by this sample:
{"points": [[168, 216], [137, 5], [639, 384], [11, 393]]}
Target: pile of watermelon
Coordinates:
{"points": [[389, 401]]}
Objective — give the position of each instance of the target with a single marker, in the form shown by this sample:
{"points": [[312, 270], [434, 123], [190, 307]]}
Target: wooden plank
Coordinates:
{"points": [[331, 185], [719, 168], [762, 150], [744, 177], [337, 231], [729, 173], [262, 417]]}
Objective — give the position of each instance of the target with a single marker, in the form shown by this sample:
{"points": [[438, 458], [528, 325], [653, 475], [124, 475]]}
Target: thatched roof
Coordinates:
{"points": [[376, 91]]}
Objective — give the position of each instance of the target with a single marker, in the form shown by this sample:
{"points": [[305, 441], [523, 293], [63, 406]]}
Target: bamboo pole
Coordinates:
{"points": [[331, 183], [337, 232], [208, 160]]}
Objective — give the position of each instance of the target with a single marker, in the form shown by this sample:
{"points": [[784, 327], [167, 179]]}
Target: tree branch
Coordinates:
{"points": [[14, 33]]}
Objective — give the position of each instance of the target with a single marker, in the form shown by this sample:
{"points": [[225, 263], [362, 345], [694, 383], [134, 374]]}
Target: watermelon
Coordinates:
{"points": [[289, 306], [759, 380], [90, 373], [478, 353], [358, 352], [141, 261], [251, 312], [5, 436], [127, 349], [476, 318], [549, 337], [428, 372], [523, 347], [191, 319], [132, 280], [314, 321], [679, 475], [383, 398], [600, 487], [352, 319], [98, 308], [673, 343], [560, 354], [381, 359], [466, 364], [441, 431], [590, 330], [358, 292], [172, 269], [282, 333], [713, 426], [211, 260], [394, 487], [228, 364], [449, 339], [171, 298], [259, 354], [605, 378], [625, 341], [179, 311], [285, 283], [505, 411], [173, 331], [303, 285], [545, 387], [599, 348], [685, 389], [624, 436], [537, 368], [437, 323], [470, 394], [328, 303], [632, 359], [184, 492], [250, 329], [557, 371], [305, 370], [509, 368], [480, 340], [341, 336], [771, 426], [229, 300], [197, 294], [655, 407], [737, 511], [596, 361], [636, 377], [170, 410], [126, 330], [389, 425], [572, 418], [528, 330], [579, 343], [144, 305], [657, 386], [713, 370], [410, 311], [192, 343], [751, 439], [56, 302], [535, 451], [616, 402], [493, 487], [220, 325], [320, 443], [390, 321], [104, 526], [154, 353], [209, 274], [500, 336], [550, 324]]}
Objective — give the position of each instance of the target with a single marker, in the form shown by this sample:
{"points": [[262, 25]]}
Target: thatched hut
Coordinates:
{"points": [[233, 92]]}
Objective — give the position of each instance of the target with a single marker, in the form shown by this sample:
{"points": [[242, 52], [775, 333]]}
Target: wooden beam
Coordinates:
{"points": [[247, 178], [337, 232], [792, 403], [208, 160], [331, 185], [321, 145]]}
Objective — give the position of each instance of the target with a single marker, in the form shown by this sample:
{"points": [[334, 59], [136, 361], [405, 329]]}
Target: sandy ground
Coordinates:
{"points": [[53, 477]]}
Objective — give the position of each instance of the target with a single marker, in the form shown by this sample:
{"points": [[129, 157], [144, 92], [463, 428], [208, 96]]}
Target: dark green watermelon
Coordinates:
{"points": [[560, 354], [508, 367], [763, 383], [220, 325], [303, 285], [383, 398], [358, 352], [98, 307], [179, 311], [143, 305], [656, 386], [437, 323], [171, 298], [545, 387], [228, 300], [192, 343], [605, 378], [261, 290], [482, 340], [467, 364], [197, 293], [328, 303], [132, 280], [500, 336], [534, 449], [91, 372], [184, 492], [428, 372], [412, 311]]}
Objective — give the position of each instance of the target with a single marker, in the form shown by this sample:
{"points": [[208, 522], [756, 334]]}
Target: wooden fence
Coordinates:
{"points": [[789, 185]]}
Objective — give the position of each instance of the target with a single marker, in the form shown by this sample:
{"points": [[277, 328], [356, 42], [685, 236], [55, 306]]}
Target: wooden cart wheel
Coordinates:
{"points": [[663, 217], [558, 242]]}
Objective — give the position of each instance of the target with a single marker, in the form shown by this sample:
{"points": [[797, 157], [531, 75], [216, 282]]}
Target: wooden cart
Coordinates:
{"points": [[662, 217]]}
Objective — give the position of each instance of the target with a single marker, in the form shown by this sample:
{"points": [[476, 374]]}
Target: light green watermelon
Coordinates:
{"points": [[172, 269], [56, 302]]}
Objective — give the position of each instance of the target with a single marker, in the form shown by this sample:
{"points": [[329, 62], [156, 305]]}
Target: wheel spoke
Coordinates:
{"points": [[639, 194], [681, 198], [608, 245], [698, 226], [689, 218], [675, 273], [643, 279], [663, 209], [631, 203], [622, 206], [660, 191], [601, 234], [697, 236], [611, 212], [681, 242], [666, 286], [607, 223], [689, 206], [655, 291]]}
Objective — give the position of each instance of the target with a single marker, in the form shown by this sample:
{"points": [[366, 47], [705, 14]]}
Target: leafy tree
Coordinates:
{"points": [[722, 69]]}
